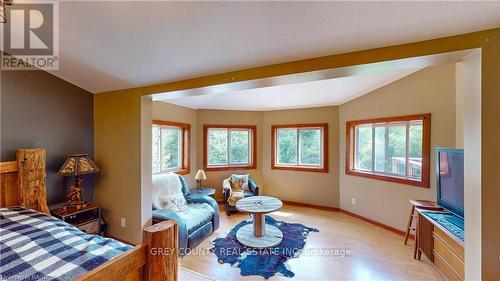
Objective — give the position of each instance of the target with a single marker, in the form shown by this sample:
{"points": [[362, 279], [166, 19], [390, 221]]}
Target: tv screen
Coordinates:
{"points": [[450, 179]]}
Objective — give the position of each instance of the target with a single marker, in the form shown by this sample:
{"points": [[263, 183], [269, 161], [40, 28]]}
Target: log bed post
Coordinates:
{"points": [[161, 251], [154, 259], [31, 179]]}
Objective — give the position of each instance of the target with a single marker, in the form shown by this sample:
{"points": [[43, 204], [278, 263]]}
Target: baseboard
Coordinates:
{"points": [[312, 206], [379, 224], [334, 209], [119, 239]]}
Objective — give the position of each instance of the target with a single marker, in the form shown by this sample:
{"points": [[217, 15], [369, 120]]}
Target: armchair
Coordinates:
{"points": [[253, 191], [196, 222]]}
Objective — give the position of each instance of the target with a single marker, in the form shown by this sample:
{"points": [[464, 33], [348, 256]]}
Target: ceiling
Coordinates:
{"points": [[325, 87], [115, 45], [320, 93]]}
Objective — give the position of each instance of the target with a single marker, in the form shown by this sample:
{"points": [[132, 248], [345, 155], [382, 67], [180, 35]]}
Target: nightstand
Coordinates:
{"points": [[87, 219], [206, 191]]}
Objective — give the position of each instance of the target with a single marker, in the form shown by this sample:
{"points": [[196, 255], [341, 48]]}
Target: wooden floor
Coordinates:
{"points": [[189, 275], [376, 254]]}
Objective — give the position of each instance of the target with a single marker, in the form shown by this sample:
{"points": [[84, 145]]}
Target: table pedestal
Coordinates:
{"points": [[259, 234], [259, 225]]}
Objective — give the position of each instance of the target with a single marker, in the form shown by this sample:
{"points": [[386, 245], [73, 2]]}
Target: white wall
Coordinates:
{"points": [[471, 108], [431, 90], [459, 105]]}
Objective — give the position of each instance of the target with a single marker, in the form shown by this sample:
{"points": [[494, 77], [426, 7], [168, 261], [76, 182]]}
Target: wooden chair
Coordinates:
{"points": [[421, 204]]}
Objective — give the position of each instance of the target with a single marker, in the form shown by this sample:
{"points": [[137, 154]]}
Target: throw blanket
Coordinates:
{"points": [[235, 194], [34, 246], [195, 215]]}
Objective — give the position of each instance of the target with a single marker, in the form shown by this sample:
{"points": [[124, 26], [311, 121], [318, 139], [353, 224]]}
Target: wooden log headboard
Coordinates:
{"points": [[23, 181]]}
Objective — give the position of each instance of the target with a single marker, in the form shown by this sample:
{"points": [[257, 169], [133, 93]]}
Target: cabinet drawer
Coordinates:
{"points": [[445, 269], [453, 245], [454, 263], [91, 227]]}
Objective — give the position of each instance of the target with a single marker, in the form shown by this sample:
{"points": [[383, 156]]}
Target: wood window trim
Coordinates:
{"points": [[186, 144], [426, 149], [251, 166], [323, 169]]}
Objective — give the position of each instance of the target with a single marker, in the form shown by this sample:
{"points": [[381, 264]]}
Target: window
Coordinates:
{"points": [[302, 147], [171, 147], [229, 147], [394, 149]]}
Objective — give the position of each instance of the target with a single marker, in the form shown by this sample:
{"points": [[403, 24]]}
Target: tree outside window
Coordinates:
{"points": [[300, 147], [392, 149], [229, 146], [170, 147]]}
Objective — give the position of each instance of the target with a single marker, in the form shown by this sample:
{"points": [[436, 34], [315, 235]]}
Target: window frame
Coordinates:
{"points": [[253, 148], [185, 144], [426, 148], [324, 168]]}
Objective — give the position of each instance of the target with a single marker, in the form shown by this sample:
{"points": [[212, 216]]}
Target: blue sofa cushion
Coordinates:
{"points": [[196, 215], [252, 186], [248, 193], [198, 235], [193, 224], [185, 186]]}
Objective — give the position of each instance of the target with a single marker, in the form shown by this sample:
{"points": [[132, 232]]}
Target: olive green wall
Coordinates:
{"points": [[174, 113], [287, 185], [490, 158], [301, 186], [488, 41], [228, 117], [117, 150], [431, 90]]}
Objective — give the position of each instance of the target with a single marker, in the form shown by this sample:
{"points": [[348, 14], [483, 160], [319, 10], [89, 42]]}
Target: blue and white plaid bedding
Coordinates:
{"points": [[34, 246]]}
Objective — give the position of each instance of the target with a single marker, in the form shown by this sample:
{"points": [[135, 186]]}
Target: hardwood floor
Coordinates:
{"points": [[189, 275], [376, 254]]}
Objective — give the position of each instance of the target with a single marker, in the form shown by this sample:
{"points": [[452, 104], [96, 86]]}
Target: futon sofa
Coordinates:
{"points": [[253, 191], [195, 222]]}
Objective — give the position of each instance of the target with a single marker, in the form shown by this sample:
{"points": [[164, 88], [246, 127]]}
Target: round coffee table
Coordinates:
{"points": [[258, 234]]}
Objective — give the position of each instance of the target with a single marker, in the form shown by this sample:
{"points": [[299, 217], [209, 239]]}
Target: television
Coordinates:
{"points": [[450, 179]]}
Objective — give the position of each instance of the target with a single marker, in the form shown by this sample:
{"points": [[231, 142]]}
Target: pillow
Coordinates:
{"points": [[240, 181], [167, 192], [236, 186]]}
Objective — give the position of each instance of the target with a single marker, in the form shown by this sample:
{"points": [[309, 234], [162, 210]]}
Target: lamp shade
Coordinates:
{"points": [[200, 175], [78, 164]]}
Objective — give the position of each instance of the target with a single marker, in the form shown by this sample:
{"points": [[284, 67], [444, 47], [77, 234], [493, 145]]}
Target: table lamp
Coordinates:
{"points": [[77, 165], [200, 176]]}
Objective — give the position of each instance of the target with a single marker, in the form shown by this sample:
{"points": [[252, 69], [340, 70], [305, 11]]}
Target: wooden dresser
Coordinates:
{"points": [[441, 246]]}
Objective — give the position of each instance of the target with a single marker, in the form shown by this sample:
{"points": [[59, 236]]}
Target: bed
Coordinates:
{"points": [[36, 246]]}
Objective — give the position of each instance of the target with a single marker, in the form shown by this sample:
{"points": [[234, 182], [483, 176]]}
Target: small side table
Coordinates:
{"points": [[206, 191], [87, 219], [417, 204], [259, 234]]}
